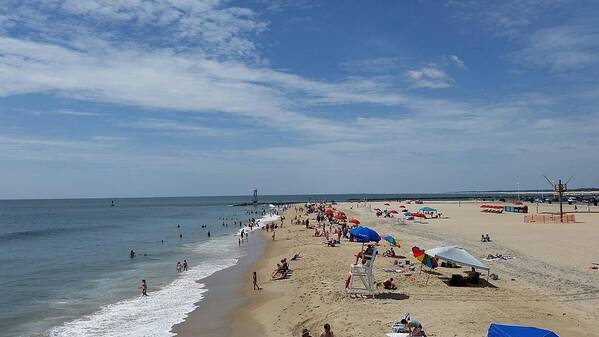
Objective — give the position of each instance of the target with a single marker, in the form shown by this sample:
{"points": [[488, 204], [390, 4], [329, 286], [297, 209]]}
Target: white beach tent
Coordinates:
{"points": [[457, 255]]}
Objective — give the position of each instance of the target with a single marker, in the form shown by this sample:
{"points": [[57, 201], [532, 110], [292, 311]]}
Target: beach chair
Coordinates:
{"points": [[399, 327], [362, 278]]}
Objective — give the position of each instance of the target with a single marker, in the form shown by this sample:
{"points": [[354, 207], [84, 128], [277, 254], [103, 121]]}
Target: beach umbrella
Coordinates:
{"points": [[393, 211], [387, 204], [356, 221], [365, 234], [425, 259], [428, 209], [503, 330], [402, 206], [340, 216], [392, 240]]}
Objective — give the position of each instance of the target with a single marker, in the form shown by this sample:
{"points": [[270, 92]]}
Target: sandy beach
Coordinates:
{"points": [[549, 282]]}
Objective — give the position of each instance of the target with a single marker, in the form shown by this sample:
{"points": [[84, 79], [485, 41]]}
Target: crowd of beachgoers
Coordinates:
{"points": [[302, 258]]}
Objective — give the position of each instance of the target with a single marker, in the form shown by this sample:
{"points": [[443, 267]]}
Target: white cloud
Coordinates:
{"points": [[430, 77], [561, 48], [457, 61], [206, 26], [508, 18], [177, 128]]}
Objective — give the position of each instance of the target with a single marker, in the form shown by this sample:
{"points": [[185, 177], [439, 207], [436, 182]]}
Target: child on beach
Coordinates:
{"points": [[255, 281]]}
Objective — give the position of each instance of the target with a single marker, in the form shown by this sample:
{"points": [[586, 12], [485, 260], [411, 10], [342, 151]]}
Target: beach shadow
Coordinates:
{"points": [[482, 283], [391, 296], [431, 272]]}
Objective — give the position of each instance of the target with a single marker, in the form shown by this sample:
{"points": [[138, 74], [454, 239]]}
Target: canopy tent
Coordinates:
{"points": [[428, 209], [457, 255], [502, 330]]}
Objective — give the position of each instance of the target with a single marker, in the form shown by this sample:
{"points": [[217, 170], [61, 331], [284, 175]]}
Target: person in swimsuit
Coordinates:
{"points": [[255, 282], [327, 331], [144, 288]]}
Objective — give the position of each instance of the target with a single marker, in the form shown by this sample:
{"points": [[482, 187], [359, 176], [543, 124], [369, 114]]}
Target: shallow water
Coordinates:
{"points": [[68, 261]]}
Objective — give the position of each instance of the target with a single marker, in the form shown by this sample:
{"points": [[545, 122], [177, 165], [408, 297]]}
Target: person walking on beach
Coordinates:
{"points": [[255, 282], [273, 235], [327, 331], [144, 288]]}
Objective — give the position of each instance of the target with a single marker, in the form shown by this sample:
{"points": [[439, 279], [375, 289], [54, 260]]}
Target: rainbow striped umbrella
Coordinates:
{"points": [[429, 261], [392, 240]]}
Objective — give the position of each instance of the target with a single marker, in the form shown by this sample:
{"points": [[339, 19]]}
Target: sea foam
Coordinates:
{"points": [[154, 316]]}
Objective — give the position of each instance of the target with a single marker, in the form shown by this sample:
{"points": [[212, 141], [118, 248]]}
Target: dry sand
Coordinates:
{"points": [[548, 283]]}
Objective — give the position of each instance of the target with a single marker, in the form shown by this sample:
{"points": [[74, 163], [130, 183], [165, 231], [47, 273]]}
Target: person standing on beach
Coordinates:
{"points": [[273, 235], [327, 331], [144, 288], [184, 265], [255, 282]]}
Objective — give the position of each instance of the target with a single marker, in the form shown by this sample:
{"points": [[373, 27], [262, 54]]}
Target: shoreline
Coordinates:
{"points": [[225, 295]]}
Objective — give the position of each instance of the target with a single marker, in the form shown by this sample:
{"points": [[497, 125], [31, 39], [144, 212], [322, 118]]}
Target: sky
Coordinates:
{"points": [[124, 98]]}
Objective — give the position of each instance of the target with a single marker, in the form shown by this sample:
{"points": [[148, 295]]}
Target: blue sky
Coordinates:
{"points": [[207, 97]]}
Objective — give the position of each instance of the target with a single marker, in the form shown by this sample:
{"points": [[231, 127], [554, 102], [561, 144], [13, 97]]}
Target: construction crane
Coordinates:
{"points": [[559, 188]]}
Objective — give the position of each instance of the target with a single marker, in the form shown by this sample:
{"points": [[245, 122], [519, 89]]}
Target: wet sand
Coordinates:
{"points": [[226, 294]]}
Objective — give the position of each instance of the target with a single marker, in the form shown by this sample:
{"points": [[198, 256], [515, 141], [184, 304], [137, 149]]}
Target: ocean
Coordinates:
{"points": [[65, 268]]}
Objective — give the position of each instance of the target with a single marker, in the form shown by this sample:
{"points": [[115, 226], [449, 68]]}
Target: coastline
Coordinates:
{"points": [[213, 314]]}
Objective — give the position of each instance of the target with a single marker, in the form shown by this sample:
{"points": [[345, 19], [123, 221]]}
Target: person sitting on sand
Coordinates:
{"points": [[316, 233], [327, 331], [487, 238], [390, 253], [331, 243], [389, 285], [306, 333], [414, 328]]}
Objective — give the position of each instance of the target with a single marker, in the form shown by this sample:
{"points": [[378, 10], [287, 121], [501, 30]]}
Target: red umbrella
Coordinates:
{"points": [[393, 211], [356, 221], [340, 216]]}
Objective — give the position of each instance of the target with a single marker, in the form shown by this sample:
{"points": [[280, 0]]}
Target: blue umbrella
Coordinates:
{"points": [[365, 234], [502, 330]]}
